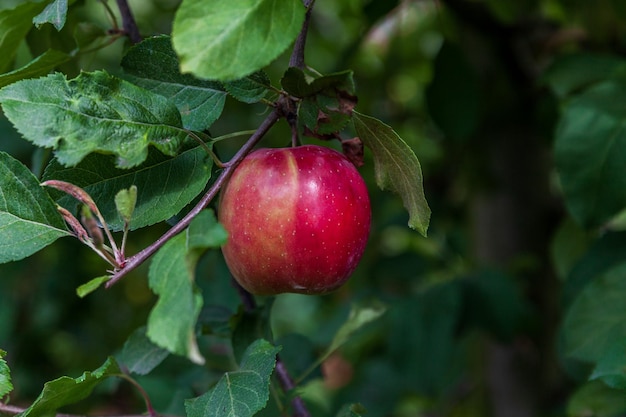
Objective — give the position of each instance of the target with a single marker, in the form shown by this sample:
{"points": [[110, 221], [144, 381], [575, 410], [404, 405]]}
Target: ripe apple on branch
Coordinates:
{"points": [[298, 220]]}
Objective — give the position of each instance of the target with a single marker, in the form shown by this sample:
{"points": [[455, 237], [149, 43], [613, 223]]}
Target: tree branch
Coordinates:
{"points": [[128, 22], [287, 384], [297, 56], [137, 259]]}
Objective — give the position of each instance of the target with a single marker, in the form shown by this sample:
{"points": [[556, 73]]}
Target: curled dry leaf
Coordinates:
{"points": [[353, 150]]}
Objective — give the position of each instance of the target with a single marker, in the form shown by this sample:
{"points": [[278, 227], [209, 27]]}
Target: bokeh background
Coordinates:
{"points": [[473, 310]]}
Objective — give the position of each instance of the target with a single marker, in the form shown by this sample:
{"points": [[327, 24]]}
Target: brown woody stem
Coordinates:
{"points": [[128, 22]]}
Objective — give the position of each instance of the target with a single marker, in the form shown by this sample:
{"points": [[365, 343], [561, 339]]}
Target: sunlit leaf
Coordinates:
{"points": [[397, 168], [229, 40], [29, 220], [95, 112], [239, 393]]}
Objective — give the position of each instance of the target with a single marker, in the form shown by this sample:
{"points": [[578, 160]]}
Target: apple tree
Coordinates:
{"points": [[219, 208], [132, 145]]}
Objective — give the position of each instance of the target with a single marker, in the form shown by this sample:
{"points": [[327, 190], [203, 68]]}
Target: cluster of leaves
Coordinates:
{"points": [[132, 150], [589, 154], [464, 117]]}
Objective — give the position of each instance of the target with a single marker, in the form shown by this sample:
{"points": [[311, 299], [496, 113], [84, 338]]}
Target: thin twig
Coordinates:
{"points": [[137, 259], [287, 384], [128, 22], [297, 56]]}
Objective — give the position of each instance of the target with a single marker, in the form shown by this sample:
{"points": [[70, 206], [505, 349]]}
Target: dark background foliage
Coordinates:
{"points": [[482, 91]]}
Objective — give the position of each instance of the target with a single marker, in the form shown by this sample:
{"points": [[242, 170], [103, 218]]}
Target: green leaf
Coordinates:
{"points": [[597, 400], [14, 25], [5, 376], [239, 393], [205, 232], [611, 368], [597, 318], [29, 220], [54, 13], [90, 286], [396, 168], [327, 101], [229, 40], [140, 355], [298, 84], [605, 253], [41, 65], [125, 202], [250, 89], [568, 245], [571, 73], [172, 321], [153, 65], [166, 185], [66, 390], [360, 316], [590, 149], [95, 112]]}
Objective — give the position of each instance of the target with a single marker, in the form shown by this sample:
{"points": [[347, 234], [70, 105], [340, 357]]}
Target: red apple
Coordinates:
{"points": [[298, 220]]}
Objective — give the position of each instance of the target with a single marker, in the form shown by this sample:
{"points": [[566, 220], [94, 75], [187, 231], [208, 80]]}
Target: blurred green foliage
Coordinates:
{"points": [[477, 89]]}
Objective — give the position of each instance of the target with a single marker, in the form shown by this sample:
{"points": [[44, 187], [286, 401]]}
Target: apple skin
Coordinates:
{"points": [[298, 220]]}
